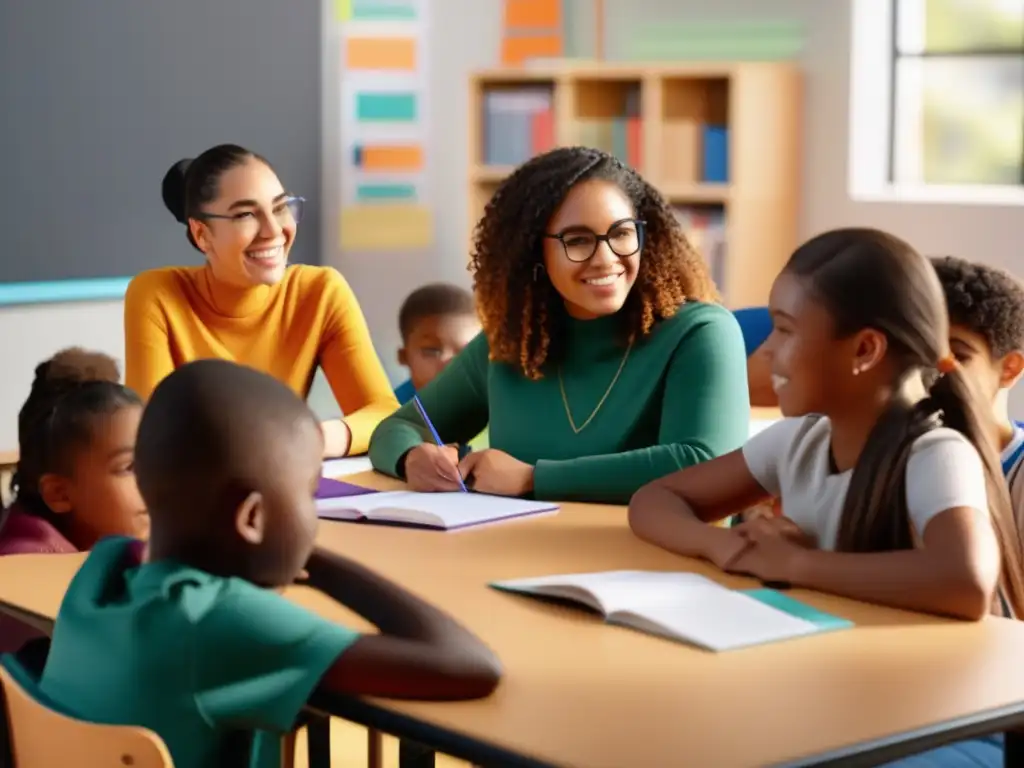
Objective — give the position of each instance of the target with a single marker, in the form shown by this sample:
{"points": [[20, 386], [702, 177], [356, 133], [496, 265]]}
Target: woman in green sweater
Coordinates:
{"points": [[604, 362]]}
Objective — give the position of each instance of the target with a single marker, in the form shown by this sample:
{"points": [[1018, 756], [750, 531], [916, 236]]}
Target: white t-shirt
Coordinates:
{"points": [[791, 460]]}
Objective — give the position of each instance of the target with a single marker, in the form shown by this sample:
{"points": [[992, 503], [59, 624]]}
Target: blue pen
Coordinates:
{"points": [[437, 437]]}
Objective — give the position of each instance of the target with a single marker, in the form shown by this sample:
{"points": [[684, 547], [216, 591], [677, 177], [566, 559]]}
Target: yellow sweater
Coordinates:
{"points": [[175, 315]]}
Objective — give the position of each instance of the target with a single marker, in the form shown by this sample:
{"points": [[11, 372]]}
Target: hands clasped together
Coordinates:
{"points": [[767, 548]]}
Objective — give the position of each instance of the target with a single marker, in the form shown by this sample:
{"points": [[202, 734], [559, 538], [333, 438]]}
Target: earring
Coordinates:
{"points": [[856, 370], [537, 270]]}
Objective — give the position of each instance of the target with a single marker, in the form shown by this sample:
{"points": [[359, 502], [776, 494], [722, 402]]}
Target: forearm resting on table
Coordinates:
{"points": [[384, 603], [913, 579], [660, 516], [420, 653]]}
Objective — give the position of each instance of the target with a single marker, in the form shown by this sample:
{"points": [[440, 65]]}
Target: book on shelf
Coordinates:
{"points": [[621, 136], [705, 229], [518, 124], [685, 607]]}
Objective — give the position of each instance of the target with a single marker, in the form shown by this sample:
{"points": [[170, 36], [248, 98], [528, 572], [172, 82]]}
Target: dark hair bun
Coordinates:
{"points": [[173, 190], [75, 366]]}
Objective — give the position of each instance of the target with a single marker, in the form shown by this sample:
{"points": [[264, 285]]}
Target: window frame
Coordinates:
{"points": [[873, 54]]}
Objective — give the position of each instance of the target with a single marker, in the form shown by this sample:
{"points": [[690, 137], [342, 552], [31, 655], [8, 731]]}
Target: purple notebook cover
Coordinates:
{"points": [[336, 489]]}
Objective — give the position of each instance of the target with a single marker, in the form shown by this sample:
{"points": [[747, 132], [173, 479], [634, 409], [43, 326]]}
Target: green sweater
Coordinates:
{"points": [[680, 399]]}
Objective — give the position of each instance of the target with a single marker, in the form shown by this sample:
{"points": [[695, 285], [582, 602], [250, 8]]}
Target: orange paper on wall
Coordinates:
{"points": [[516, 51], [381, 53], [392, 158], [533, 14]]}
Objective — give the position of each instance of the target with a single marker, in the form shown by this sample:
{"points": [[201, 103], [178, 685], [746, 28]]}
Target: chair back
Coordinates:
{"points": [[35, 735]]}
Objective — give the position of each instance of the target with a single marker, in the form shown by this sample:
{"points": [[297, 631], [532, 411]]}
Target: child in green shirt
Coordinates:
{"points": [[195, 643]]}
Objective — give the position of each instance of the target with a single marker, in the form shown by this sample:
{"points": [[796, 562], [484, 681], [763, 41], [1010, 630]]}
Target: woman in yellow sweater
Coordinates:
{"points": [[245, 304]]}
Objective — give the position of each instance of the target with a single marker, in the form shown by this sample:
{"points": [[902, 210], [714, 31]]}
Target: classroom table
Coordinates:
{"points": [[578, 692]]}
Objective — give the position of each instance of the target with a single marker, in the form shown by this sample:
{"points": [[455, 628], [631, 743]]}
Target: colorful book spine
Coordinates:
{"points": [[621, 135], [517, 125], [634, 142], [705, 230]]}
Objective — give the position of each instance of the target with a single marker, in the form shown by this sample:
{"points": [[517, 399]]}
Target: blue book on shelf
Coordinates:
{"points": [[716, 154]]}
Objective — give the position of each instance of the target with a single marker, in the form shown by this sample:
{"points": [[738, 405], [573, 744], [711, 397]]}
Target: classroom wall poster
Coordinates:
{"points": [[384, 125], [531, 29]]}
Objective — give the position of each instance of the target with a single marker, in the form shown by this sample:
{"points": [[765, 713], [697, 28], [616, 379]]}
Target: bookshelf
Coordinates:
{"points": [[721, 142]]}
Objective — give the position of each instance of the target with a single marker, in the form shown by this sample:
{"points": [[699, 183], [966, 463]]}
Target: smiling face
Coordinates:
{"points": [[593, 286], [811, 368], [247, 232]]}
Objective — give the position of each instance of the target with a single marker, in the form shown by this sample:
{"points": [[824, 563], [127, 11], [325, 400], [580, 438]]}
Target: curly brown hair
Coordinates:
{"points": [[523, 317]]}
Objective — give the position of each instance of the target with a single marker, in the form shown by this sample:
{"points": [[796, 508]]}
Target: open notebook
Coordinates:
{"points": [[684, 606], [443, 511]]}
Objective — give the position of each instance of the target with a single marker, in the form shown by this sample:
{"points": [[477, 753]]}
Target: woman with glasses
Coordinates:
{"points": [[246, 304], [605, 361]]}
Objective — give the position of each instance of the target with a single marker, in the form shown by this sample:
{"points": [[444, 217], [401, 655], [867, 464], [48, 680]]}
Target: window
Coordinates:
{"points": [[937, 100]]}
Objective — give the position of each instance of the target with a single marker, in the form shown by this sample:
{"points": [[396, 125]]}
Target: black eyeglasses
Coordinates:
{"points": [[625, 238], [287, 211]]}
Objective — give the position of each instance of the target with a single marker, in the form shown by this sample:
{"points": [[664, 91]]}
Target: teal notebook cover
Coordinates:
{"points": [[782, 602]]}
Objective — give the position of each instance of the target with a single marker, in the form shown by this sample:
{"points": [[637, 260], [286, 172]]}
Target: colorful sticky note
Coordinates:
{"points": [[535, 15], [383, 10], [516, 51], [386, 107], [381, 53], [738, 40], [386, 227], [385, 192], [394, 157], [342, 10]]}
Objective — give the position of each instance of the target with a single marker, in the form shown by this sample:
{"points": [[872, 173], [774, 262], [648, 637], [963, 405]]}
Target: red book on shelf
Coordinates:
{"points": [[634, 142], [542, 128]]}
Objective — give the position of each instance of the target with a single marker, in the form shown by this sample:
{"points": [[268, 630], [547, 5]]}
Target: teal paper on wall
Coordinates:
{"points": [[367, 192], [386, 107], [383, 10]]}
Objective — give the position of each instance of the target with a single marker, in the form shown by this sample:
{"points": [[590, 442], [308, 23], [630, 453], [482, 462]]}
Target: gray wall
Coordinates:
{"points": [[101, 97]]}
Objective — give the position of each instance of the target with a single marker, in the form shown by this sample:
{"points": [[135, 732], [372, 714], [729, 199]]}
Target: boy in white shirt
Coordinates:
{"points": [[986, 334]]}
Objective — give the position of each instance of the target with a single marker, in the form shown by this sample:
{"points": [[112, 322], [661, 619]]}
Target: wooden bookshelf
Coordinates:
{"points": [[655, 117]]}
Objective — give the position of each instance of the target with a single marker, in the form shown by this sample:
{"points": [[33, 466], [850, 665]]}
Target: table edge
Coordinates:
{"points": [[439, 738], [876, 751]]}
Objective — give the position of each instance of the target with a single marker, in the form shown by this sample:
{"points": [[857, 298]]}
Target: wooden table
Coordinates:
{"points": [[577, 692]]}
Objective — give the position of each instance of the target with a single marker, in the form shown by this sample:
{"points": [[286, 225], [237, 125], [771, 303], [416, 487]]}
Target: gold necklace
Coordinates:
{"points": [[597, 408]]}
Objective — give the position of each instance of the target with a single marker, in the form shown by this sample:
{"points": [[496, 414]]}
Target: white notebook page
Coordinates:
{"points": [[717, 618], [452, 510]]}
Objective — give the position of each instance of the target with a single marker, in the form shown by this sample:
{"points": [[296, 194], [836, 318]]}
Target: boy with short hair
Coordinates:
{"points": [[436, 321], [195, 643], [986, 335]]}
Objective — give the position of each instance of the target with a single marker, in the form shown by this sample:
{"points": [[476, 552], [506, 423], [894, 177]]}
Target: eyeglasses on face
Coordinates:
{"points": [[286, 211], [625, 238]]}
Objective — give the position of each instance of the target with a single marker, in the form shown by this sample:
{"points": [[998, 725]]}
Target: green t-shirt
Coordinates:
{"points": [[679, 399], [201, 660]]}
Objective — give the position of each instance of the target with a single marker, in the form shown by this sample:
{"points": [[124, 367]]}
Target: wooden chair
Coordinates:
{"points": [[36, 736]]}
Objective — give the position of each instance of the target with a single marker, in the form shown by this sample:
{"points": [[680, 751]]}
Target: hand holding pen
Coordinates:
{"points": [[433, 467]]}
